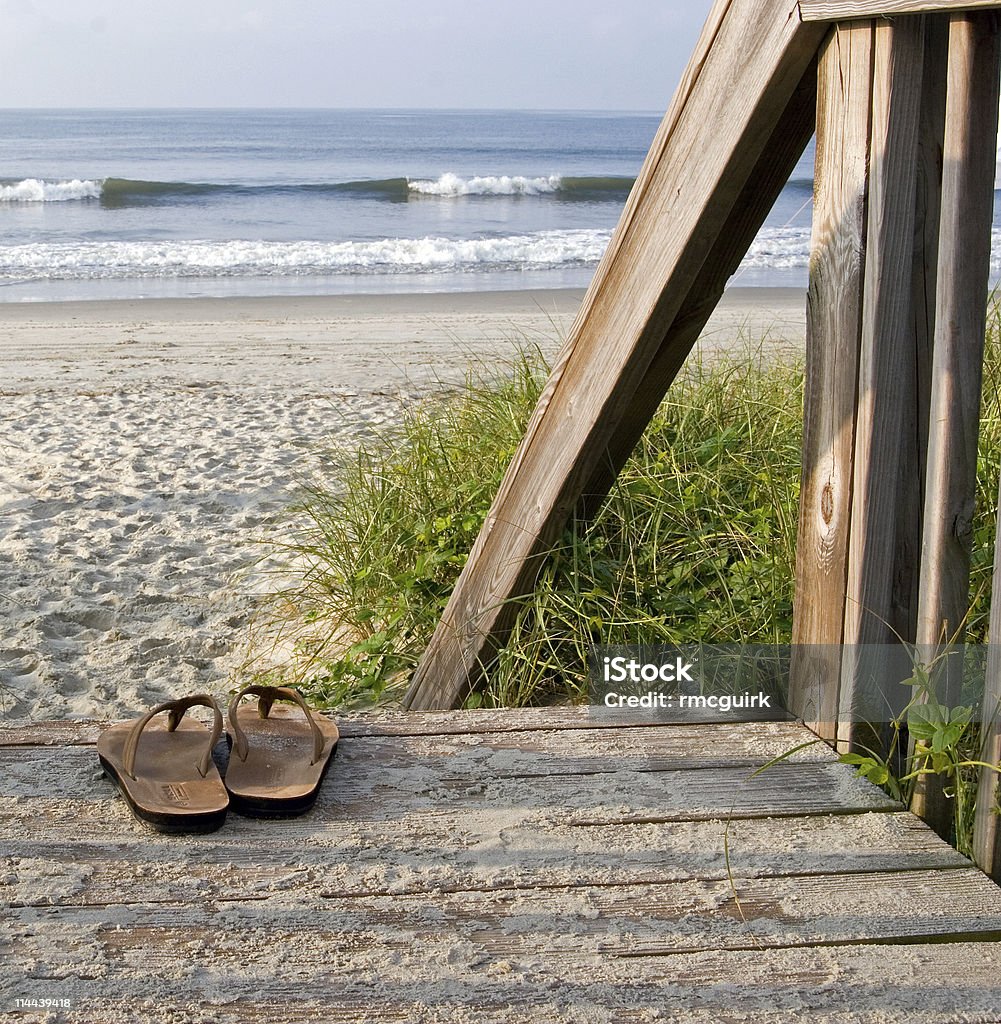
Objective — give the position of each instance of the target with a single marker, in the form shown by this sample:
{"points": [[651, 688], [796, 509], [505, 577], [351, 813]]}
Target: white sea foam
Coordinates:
{"points": [[104, 260], [35, 190], [779, 248], [789, 248], [503, 185]]}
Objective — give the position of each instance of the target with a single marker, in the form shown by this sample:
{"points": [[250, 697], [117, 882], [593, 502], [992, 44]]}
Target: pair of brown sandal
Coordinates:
{"points": [[168, 777]]}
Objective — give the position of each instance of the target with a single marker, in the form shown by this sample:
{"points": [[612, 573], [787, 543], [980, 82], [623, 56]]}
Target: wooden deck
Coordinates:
{"points": [[483, 866]]}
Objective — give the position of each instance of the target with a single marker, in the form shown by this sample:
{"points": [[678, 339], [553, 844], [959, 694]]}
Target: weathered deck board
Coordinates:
{"points": [[481, 852], [511, 754], [429, 723], [572, 874], [558, 925], [831, 985], [594, 798]]}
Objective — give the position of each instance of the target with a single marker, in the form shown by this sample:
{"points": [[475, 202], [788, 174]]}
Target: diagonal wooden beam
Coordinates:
{"points": [[777, 162], [750, 62]]}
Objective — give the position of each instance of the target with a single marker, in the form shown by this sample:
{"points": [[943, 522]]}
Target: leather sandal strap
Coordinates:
{"points": [[267, 696], [176, 710]]}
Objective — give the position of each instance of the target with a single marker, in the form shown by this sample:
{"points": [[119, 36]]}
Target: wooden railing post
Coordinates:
{"points": [[886, 360], [957, 362], [833, 326]]}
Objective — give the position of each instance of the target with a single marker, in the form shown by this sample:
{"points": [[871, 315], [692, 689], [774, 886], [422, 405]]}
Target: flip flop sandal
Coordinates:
{"points": [[166, 772], [277, 759]]}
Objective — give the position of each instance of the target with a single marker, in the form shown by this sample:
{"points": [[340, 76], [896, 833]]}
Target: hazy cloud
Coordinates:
{"points": [[560, 53]]}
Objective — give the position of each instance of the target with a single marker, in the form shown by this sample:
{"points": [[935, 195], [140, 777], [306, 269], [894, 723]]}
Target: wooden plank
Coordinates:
{"points": [[584, 752], [917, 371], [729, 108], [517, 946], [839, 10], [76, 790], [611, 921], [511, 754], [963, 270], [384, 722], [833, 330], [90, 866], [831, 985], [886, 353]]}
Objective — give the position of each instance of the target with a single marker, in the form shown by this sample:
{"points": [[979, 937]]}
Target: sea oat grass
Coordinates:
{"points": [[695, 542]]}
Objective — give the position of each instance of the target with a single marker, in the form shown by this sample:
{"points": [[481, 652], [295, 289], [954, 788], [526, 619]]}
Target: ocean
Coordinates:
{"points": [[158, 203]]}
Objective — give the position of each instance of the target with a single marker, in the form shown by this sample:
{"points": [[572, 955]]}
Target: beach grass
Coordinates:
{"points": [[695, 543]]}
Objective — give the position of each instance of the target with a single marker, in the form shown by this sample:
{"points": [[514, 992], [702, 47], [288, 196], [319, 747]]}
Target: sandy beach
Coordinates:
{"points": [[150, 447]]}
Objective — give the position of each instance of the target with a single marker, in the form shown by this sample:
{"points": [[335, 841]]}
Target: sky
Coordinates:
{"points": [[546, 54]]}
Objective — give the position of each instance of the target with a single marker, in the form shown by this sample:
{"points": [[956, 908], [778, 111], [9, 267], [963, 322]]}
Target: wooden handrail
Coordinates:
{"points": [[844, 10]]}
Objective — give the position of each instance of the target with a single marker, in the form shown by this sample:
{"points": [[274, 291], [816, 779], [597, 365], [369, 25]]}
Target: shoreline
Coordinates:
{"points": [[152, 450], [495, 301], [360, 341]]}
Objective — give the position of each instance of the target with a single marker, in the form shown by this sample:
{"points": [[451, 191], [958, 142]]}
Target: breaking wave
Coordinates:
{"points": [[117, 192], [35, 190]]}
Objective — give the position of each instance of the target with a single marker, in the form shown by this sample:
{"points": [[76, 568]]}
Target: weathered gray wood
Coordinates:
{"points": [[569, 752], [409, 723], [916, 375], [429, 791], [840, 10], [963, 269], [833, 327], [512, 753], [733, 96], [830, 985], [886, 355], [54, 866], [613, 921], [419, 890], [548, 943]]}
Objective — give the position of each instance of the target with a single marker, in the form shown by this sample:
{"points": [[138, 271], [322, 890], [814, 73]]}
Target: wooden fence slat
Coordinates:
{"points": [[679, 208], [917, 369], [885, 355], [833, 323], [983, 78], [963, 270], [838, 10]]}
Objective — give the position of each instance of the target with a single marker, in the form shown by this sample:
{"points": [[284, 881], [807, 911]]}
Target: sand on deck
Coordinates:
{"points": [[150, 446]]}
